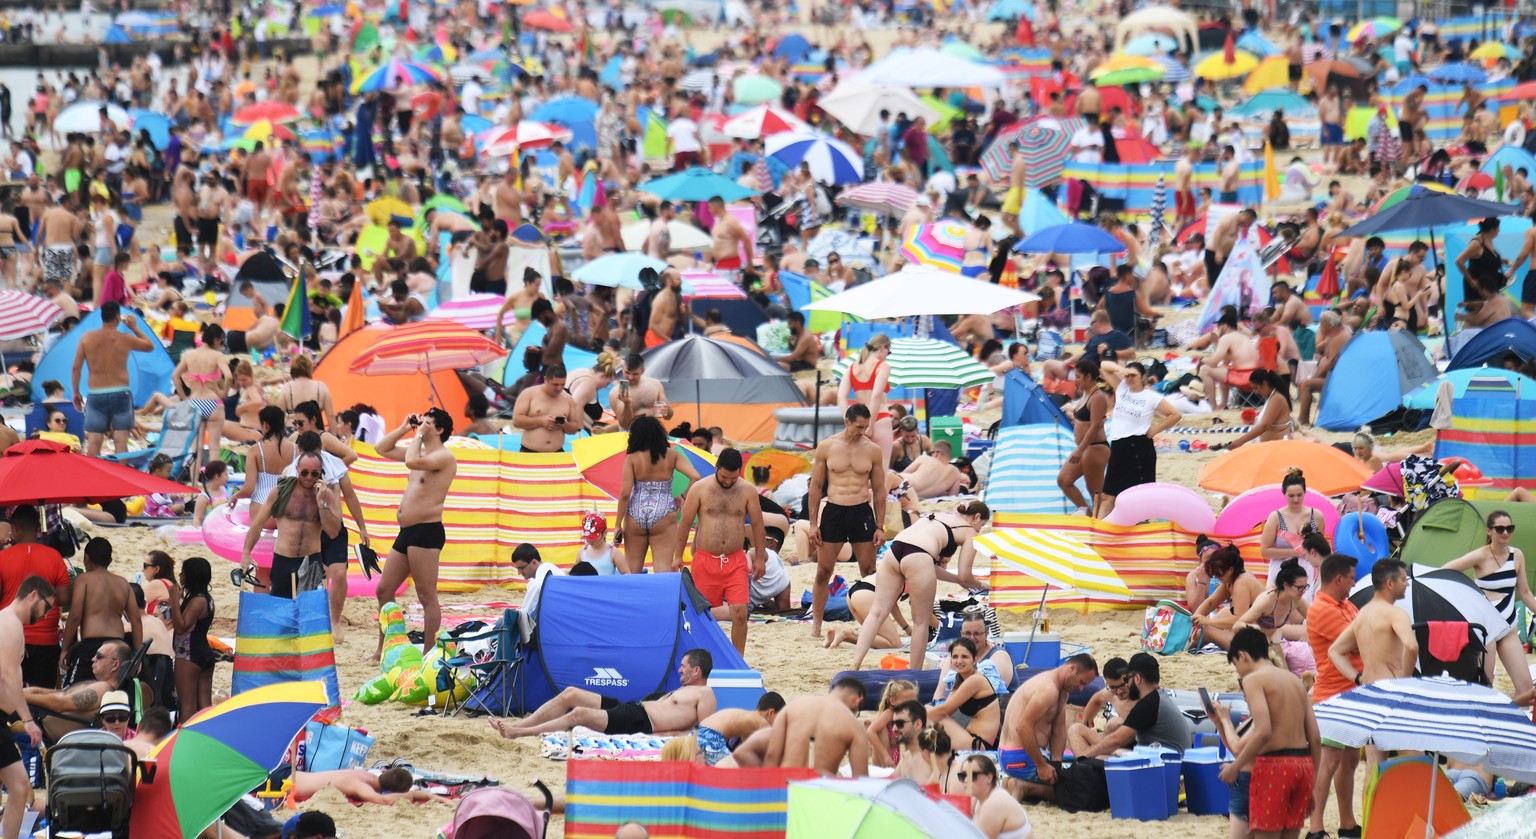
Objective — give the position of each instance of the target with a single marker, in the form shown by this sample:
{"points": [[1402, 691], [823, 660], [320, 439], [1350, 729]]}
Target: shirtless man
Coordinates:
{"points": [[361, 786], [719, 562], [415, 551], [666, 310], [1290, 309], [1236, 353], [658, 239], [211, 198], [34, 202], [932, 475], [1381, 633], [1219, 242], [1330, 112], [638, 395], [1035, 724], [728, 240], [831, 722], [303, 506], [75, 707], [1412, 114], [11, 236], [507, 201], [602, 233], [1282, 747], [59, 232], [546, 413], [1231, 172], [847, 472], [490, 246], [716, 732], [100, 602], [34, 598], [556, 332], [676, 711], [805, 351], [255, 174], [184, 200], [397, 245]]}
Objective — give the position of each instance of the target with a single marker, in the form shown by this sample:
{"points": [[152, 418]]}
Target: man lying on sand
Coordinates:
{"points": [[362, 787], [677, 711]]}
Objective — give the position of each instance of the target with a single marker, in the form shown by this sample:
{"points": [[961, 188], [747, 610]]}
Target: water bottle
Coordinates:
{"points": [[1498, 788]]}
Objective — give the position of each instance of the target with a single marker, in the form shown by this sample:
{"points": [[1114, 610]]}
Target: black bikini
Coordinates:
{"points": [[901, 550], [1082, 414]]}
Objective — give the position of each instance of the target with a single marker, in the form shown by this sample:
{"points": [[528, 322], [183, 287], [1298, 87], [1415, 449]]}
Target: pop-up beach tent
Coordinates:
{"points": [[1371, 377], [1491, 426], [149, 372], [1486, 348]]}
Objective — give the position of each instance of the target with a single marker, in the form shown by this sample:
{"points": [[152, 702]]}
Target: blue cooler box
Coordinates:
{"points": [[1205, 794], [1044, 653], [737, 688], [1137, 788], [1173, 767]]}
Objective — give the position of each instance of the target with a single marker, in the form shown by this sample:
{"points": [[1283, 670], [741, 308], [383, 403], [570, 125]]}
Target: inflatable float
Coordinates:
{"points": [[1252, 508], [1163, 502], [224, 531], [1362, 537]]}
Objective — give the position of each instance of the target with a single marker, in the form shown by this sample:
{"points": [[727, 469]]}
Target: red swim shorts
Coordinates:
{"points": [[722, 579], [730, 263], [1280, 792]]}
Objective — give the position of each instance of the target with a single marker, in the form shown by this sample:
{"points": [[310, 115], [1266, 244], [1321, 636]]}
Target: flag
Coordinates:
{"points": [[1271, 174], [296, 312], [357, 312], [802, 291], [1498, 183], [516, 164]]}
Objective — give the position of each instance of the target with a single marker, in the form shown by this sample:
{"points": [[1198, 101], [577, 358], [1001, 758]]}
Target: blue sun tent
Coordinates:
{"points": [[1487, 347], [1371, 377], [148, 372], [1025, 402], [620, 636]]}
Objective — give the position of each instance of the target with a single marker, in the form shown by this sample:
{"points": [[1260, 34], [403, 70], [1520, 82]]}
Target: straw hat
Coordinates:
{"points": [[1195, 390]]}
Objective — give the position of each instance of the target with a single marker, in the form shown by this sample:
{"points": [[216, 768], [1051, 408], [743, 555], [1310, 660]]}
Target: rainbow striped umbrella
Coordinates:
{"points": [[476, 311], [601, 462], [219, 755], [927, 363], [23, 314], [940, 244], [429, 346], [441, 52], [394, 74]]}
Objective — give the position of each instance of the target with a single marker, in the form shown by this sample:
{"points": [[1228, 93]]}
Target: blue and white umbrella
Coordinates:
{"points": [[617, 269], [1174, 69], [1460, 73], [831, 161]]}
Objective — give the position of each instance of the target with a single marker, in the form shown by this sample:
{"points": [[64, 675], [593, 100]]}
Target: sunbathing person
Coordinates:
{"points": [[676, 711], [363, 787], [932, 474], [62, 711]]}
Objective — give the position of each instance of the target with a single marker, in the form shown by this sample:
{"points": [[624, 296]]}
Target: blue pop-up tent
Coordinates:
{"points": [[1025, 402], [1371, 377], [148, 372], [1487, 347]]}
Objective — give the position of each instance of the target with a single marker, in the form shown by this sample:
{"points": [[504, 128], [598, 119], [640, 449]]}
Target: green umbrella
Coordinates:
{"points": [[928, 363], [960, 49], [946, 113], [755, 90], [367, 38], [1129, 75]]}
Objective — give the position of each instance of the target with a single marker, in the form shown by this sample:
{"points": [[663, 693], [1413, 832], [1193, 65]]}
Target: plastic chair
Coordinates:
{"points": [[181, 431], [74, 421]]}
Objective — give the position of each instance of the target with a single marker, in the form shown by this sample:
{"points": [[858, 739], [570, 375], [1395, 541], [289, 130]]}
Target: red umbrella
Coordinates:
{"points": [[273, 112], [547, 20], [426, 347], [45, 472], [1522, 91], [1137, 150], [1477, 180], [426, 105]]}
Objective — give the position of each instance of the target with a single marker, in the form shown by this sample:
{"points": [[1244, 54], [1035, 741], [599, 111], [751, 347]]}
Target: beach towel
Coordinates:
{"points": [[585, 744]]}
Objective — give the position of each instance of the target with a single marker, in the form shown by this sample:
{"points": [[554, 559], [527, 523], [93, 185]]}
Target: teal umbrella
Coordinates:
{"points": [[696, 184], [755, 90]]}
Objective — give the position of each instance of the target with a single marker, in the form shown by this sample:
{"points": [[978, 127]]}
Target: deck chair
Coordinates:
{"points": [[180, 434], [38, 419], [508, 639], [1469, 664], [127, 681]]}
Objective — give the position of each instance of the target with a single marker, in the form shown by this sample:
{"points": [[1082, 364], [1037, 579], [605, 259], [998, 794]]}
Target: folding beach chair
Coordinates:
{"points": [[180, 434], [494, 673]]}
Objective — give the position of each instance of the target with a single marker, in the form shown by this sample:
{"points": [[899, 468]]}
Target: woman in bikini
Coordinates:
{"points": [[978, 248], [265, 460], [1088, 460], [1280, 613], [861, 601], [915, 563], [968, 709], [647, 510], [996, 812], [1238, 587], [1287, 526], [191, 617], [201, 374], [303, 388], [584, 386], [1274, 422], [867, 382]]}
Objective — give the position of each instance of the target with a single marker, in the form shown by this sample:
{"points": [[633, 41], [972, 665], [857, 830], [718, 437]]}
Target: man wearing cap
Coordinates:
{"points": [[526, 559], [1155, 719], [805, 350]]}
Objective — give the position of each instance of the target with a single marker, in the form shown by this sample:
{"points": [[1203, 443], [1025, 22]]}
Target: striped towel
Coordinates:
{"points": [[584, 743], [1024, 467]]}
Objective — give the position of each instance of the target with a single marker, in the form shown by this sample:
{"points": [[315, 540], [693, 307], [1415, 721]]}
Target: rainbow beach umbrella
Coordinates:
{"points": [[600, 460], [941, 244], [1396, 196], [219, 755], [395, 74]]}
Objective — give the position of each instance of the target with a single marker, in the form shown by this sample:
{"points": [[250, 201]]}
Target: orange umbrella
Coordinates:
{"points": [[426, 347], [356, 312], [1327, 470]]}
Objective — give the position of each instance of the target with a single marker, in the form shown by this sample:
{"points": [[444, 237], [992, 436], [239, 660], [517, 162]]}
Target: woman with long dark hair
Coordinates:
{"points": [[191, 616], [647, 509], [1274, 422]]}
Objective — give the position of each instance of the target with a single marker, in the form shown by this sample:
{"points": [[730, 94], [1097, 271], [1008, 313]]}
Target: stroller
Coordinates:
{"points": [[497, 812], [91, 777]]}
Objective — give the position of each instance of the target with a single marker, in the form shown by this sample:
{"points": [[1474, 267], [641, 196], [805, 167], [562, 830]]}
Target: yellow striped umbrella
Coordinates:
{"points": [[1059, 560]]}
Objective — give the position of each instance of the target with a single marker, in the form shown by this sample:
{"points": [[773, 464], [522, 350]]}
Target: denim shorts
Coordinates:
{"points": [[1237, 804], [110, 411]]}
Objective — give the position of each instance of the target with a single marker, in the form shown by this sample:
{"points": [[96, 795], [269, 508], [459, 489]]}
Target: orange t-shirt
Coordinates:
{"points": [[1326, 621], [19, 562]]}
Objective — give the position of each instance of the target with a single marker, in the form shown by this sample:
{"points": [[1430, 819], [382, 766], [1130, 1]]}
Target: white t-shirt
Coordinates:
{"points": [[1133, 412], [684, 134], [1089, 141], [469, 97], [536, 585], [775, 580]]}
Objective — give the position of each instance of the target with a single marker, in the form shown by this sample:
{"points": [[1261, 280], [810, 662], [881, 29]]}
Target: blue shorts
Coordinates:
{"points": [[1333, 135], [1237, 803], [973, 271], [1227, 197], [1016, 764], [712, 744], [108, 411]]}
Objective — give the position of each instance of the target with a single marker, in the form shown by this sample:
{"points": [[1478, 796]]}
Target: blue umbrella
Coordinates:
{"points": [[831, 161], [1257, 44], [1152, 43], [1459, 73], [475, 124], [1267, 102], [1425, 208], [157, 124], [328, 10], [793, 46], [1075, 237], [1011, 10], [617, 269], [1474, 379], [566, 110], [696, 184], [1407, 83]]}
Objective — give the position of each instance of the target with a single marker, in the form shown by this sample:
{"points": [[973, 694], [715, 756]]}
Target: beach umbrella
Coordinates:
{"points": [[1173, 69], [1329, 471], [1494, 50], [1521, 91], [708, 370], [1132, 75], [1058, 559], [395, 74], [548, 21], [763, 121], [265, 130], [923, 290], [858, 106], [960, 49], [440, 52], [85, 118], [1272, 72], [1118, 63], [752, 90], [1459, 73], [566, 110], [1475, 181], [1374, 29], [1217, 67], [617, 269], [1254, 42], [23, 314], [846, 244], [1328, 73], [1011, 10], [476, 311], [684, 237], [1046, 146], [219, 755], [928, 68], [157, 124], [696, 184], [328, 10], [1474, 380], [879, 197], [928, 363], [600, 460], [1266, 102], [45, 472], [381, 210], [792, 46], [427, 104], [1422, 209], [831, 161], [940, 244], [1435, 594], [234, 143], [503, 140], [1151, 43], [1074, 237], [279, 113], [1396, 196], [426, 347]]}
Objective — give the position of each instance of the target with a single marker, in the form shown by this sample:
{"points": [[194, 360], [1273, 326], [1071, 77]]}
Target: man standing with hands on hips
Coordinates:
{"points": [[420, 543], [725, 507]]}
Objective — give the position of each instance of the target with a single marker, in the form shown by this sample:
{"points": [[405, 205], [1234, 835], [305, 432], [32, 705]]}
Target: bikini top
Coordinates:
{"points": [[951, 546], [976, 704], [1082, 414], [855, 383]]}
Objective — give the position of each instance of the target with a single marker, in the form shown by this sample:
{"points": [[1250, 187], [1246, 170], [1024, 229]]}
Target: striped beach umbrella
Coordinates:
{"points": [[883, 198], [503, 140], [1046, 145], [426, 347], [831, 161], [394, 74], [763, 121], [23, 314], [709, 284], [940, 244], [1174, 70], [1057, 559], [476, 311], [928, 363]]}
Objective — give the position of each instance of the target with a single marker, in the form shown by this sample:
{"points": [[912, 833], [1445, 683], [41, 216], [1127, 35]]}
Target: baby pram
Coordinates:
{"points": [[91, 777]]}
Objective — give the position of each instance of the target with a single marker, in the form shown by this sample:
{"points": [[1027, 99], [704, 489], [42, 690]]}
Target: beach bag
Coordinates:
{"points": [[1167, 629], [331, 747], [1083, 786]]}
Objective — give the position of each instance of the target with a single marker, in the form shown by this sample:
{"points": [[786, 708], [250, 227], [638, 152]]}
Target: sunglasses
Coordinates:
{"points": [[1503, 529], [900, 723], [58, 421], [309, 473], [114, 718]]}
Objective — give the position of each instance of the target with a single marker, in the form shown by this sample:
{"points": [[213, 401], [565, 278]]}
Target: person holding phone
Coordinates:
{"points": [[546, 413]]}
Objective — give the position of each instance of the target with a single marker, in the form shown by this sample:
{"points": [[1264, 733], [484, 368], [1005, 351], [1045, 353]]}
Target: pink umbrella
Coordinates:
{"points": [[476, 311], [1389, 481], [886, 199], [23, 314]]}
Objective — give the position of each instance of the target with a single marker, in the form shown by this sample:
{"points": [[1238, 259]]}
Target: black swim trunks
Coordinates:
{"points": [[626, 717], [852, 523], [333, 550], [9, 753], [285, 573], [428, 534]]}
